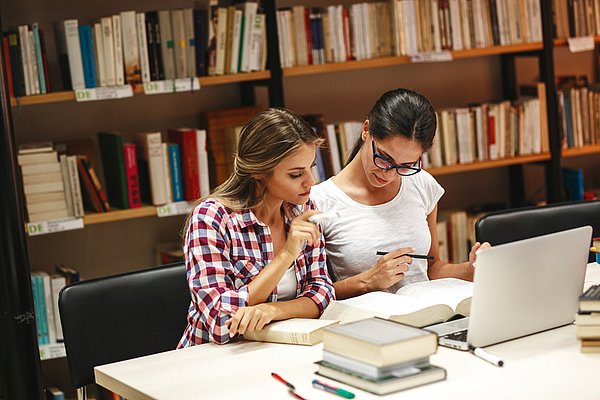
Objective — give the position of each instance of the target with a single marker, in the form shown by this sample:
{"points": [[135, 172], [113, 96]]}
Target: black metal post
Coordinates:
{"points": [[554, 183], [20, 365]]}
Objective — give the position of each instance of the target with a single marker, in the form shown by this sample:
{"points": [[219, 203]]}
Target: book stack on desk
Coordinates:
{"points": [[379, 356], [588, 320]]}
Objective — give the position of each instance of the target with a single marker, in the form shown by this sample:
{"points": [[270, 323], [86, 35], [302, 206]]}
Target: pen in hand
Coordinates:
{"points": [[280, 379], [421, 256], [484, 355]]}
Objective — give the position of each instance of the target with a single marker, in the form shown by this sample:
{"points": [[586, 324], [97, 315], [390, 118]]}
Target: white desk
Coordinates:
{"points": [[546, 366]]}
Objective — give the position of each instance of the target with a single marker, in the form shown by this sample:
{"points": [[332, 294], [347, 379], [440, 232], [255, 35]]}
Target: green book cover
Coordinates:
{"points": [[113, 165]]}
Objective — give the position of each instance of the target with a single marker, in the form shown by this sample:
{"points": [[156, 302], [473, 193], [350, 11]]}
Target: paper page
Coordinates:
{"points": [[300, 325], [448, 291]]}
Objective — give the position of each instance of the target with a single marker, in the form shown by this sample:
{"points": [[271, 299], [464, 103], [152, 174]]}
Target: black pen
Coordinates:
{"points": [[422, 256]]}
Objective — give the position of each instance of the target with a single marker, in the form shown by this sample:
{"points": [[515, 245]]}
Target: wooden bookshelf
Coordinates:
{"points": [[480, 165], [564, 42], [119, 215], [391, 61], [581, 151], [57, 97]]}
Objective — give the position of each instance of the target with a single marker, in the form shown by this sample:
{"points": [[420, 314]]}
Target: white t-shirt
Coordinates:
{"points": [[353, 238], [286, 288]]}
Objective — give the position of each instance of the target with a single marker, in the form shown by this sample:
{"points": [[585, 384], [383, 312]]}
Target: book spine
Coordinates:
{"points": [[189, 156], [49, 308], [64, 168], [131, 174], [36, 305], [175, 162], [87, 55], [167, 172], [166, 43], [190, 39], [109, 50], [16, 64], [113, 163], [131, 58], [75, 186], [179, 44], [7, 61], [38, 57], [118, 46], [200, 25], [203, 163], [24, 47], [143, 47], [93, 199]]}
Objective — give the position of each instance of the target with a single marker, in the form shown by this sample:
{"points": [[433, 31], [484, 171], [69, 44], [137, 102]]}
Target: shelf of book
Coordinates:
{"points": [[53, 350], [581, 151], [391, 61], [57, 97], [564, 41], [475, 166]]}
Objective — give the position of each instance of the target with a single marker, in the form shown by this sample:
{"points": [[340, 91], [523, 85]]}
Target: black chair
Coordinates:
{"points": [[523, 223], [120, 317]]}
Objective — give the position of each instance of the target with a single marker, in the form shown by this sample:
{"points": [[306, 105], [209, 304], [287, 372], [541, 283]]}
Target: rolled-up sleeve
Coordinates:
{"points": [[210, 272]]}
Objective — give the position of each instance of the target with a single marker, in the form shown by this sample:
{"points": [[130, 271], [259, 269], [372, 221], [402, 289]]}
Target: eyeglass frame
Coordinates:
{"points": [[393, 165]]}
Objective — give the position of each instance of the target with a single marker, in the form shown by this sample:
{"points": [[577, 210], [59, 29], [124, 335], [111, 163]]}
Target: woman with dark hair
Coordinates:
{"points": [[384, 201], [251, 254]]}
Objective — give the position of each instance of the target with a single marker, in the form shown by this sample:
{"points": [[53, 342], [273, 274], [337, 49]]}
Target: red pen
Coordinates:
{"points": [[280, 379], [296, 395]]}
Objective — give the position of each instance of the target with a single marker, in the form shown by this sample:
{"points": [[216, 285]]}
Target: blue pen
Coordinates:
{"points": [[340, 392]]}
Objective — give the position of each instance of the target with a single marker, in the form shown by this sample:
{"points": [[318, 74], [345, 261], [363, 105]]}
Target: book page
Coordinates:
{"points": [[300, 325], [448, 291]]}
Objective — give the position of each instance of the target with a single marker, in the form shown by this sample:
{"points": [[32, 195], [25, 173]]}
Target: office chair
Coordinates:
{"points": [[523, 223], [120, 317]]}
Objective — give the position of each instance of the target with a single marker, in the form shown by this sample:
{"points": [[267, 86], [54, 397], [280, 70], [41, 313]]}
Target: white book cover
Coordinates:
{"points": [[24, 41], [75, 186], [108, 45], [300, 35], [40, 168], [179, 44], [131, 57], [37, 158], [256, 43], [166, 43], [150, 145], [281, 32], [64, 168], [48, 216], [190, 41], [221, 40], [167, 175], [203, 172], [58, 205], [42, 178], [410, 27], [68, 36], [235, 41], [49, 307], [465, 154], [250, 9], [35, 69], [99, 48], [57, 282], [332, 145], [456, 24], [435, 153], [44, 187], [118, 47], [143, 46], [339, 34]]}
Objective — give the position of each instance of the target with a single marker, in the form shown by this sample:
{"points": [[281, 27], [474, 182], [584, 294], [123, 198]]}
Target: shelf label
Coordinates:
{"points": [[54, 350], [582, 43], [58, 225], [172, 86], [169, 209], [104, 93], [434, 56]]}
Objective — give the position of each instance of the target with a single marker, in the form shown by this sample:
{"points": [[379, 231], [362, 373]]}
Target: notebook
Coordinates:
{"points": [[521, 288]]}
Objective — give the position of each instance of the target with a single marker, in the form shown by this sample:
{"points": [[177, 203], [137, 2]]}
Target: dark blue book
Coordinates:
{"points": [[201, 39], [175, 165], [87, 56], [573, 182]]}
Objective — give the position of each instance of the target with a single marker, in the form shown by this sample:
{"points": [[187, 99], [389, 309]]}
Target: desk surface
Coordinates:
{"points": [[547, 365]]}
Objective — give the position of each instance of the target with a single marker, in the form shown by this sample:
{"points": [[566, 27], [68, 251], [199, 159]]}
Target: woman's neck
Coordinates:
{"points": [[269, 211]]}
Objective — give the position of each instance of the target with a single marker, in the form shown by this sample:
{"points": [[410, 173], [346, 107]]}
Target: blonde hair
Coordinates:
{"points": [[268, 138]]}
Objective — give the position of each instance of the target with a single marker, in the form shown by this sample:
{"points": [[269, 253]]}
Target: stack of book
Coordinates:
{"points": [[379, 355], [42, 182], [588, 320]]}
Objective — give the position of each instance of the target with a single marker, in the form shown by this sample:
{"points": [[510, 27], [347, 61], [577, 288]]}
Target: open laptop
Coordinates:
{"points": [[522, 288]]}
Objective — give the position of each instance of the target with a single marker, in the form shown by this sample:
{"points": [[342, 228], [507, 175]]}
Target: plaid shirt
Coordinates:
{"points": [[224, 250]]}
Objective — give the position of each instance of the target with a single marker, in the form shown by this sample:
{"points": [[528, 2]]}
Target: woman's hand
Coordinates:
{"points": [[389, 269], [473, 256], [301, 230], [253, 318]]}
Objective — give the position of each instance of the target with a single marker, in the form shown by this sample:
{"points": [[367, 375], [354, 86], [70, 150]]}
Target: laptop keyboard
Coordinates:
{"points": [[460, 336]]}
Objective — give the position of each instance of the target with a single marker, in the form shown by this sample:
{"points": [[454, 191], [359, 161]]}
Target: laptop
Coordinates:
{"points": [[521, 288]]}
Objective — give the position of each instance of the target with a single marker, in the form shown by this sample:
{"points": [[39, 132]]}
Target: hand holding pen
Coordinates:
{"points": [[388, 270]]}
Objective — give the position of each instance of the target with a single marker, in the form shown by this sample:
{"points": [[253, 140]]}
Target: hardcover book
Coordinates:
{"points": [[292, 331]]}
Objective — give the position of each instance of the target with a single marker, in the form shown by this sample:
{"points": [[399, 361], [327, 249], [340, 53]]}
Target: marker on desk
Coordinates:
{"points": [[421, 256], [331, 389], [484, 355], [280, 379], [317, 218], [295, 395]]}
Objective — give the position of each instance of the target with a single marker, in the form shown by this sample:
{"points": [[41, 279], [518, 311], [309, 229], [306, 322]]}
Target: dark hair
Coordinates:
{"points": [[401, 112]]}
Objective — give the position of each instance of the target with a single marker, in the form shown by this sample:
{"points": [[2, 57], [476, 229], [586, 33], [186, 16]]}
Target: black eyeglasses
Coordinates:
{"points": [[384, 163]]}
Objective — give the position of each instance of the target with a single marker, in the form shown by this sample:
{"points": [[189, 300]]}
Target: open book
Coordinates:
{"points": [[417, 304], [293, 331]]}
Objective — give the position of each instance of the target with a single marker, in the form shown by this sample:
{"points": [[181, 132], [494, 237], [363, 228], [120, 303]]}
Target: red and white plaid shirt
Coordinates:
{"points": [[224, 250]]}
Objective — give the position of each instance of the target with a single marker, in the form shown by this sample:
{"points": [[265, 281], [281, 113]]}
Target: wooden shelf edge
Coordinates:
{"points": [[57, 97], [564, 41], [119, 215], [581, 151], [480, 165], [391, 61]]}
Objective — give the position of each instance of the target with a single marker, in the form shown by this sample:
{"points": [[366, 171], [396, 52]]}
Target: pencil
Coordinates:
{"points": [[421, 256]]}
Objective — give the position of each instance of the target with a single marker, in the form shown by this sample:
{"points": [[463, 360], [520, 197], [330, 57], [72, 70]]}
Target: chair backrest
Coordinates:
{"points": [[523, 223], [120, 317]]}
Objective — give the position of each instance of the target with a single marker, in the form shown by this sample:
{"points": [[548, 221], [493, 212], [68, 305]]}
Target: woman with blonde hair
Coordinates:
{"points": [[251, 254]]}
